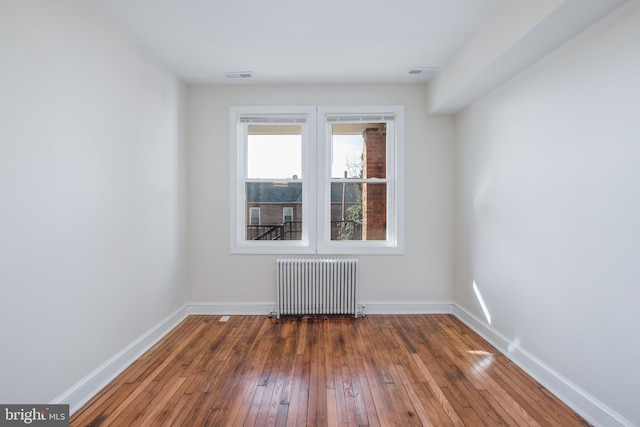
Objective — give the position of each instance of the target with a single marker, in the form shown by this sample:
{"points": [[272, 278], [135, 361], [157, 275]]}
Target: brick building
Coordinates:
{"points": [[374, 196]]}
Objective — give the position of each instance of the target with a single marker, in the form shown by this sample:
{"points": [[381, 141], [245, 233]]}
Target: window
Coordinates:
{"points": [[287, 214], [316, 179], [254, 216]]}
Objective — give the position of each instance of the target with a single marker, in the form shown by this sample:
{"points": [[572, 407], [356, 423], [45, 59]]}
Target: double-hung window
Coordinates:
{"points": [[287, 214], [254, 216], [307, 179]]}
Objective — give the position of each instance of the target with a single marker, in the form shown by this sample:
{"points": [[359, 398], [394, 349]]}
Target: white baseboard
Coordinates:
{"points": [[237, 308], [408, 307], [371, 307], [579, 400], [80, 393], [583, 403]]}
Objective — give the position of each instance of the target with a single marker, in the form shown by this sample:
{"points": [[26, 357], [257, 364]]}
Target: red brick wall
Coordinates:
{"points": [[374, 196]]}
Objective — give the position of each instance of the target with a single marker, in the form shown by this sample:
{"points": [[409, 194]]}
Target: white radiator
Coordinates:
{"points": [[317, 286]]}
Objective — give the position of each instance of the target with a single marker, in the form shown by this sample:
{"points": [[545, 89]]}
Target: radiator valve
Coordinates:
{"points": [[360, 312]]}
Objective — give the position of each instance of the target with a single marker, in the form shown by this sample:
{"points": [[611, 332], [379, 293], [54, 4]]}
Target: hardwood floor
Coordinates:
{"points": [[380, 370]]}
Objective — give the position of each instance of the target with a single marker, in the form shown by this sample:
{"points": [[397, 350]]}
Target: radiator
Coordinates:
{"points": [[317, 286]]}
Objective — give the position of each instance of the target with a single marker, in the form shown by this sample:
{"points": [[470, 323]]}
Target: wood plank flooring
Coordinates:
{"points": [[379, 370]]}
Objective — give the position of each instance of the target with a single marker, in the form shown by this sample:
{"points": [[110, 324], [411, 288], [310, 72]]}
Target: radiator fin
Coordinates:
{"points": [[316, 286]]}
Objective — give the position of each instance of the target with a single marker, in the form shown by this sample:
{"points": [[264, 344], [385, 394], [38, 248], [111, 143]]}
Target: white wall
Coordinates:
{"points": [[424, 273], [549, 210], [92, 195]]}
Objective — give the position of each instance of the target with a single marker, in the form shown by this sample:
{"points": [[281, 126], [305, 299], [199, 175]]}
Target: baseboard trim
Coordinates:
{"points": [[586, 405], [371, 307], [408, 307], [237, 308], [579, 400], [82, 391]]}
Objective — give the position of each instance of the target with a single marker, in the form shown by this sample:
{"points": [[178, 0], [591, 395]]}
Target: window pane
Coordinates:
{"points": [[274, 151], [346, 153], [358, 211], [272, 198], [358, 150]]}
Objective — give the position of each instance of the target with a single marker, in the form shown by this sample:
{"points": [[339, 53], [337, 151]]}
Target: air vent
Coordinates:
{"points": [[240, 75], [423, 71]]}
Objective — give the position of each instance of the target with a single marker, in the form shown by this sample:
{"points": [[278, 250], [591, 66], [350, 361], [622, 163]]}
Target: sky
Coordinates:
{"points": [[279, 156]]}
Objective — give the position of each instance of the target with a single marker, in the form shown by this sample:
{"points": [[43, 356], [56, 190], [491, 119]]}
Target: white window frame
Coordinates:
{"points": [[284, 216], [394, 117], [316, 180], [254, 209], [238, 153]]}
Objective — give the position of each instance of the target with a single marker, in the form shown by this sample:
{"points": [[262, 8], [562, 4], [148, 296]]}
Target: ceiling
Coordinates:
{"points": [[300, 41]]}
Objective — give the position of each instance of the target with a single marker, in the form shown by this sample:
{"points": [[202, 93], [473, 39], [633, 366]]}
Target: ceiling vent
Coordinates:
{"points": [[240, 75], [423, 71]]}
